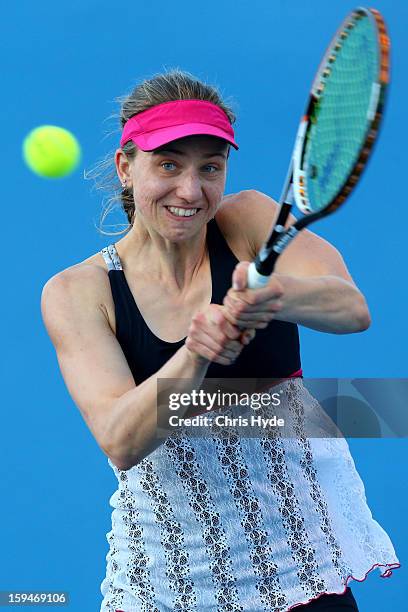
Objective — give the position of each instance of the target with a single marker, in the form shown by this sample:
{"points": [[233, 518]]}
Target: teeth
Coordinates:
{"points": [[182, 212]]}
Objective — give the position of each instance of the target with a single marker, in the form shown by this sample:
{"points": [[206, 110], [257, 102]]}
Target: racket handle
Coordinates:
{"points": [[256, 280]]}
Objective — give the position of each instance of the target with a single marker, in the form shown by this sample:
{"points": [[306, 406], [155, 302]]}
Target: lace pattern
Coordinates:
{"points": [[229, 523]]}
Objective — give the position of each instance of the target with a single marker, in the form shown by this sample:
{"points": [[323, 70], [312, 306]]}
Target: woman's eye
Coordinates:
{"points": [[167, 164], [213, 168]]}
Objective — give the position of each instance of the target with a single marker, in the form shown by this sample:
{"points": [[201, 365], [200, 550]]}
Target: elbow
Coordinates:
{"points": [[125, 462], [362, 317], [121, 457], [365, 321], [118, 457], [122, 463], [114, 445], [124, 467]]}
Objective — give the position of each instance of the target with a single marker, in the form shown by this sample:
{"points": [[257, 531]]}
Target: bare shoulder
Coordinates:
{"points": [[249, 212], [243, 201], [80, 286], [84, 279], [239, 221], [239, 205], [252, 214]]}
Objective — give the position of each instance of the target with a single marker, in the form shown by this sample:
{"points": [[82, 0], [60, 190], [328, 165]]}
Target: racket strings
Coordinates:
{"points": [[339, 132]]}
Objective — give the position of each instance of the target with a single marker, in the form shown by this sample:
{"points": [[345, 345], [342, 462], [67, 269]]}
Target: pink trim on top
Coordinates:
{"points": [[297, 373], [386, 574]]}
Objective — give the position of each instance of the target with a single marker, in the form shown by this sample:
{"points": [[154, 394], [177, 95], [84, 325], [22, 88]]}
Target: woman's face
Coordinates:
{"points": [[187, 174]]}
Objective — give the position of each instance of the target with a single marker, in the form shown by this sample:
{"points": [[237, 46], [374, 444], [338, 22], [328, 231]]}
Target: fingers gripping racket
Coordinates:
{"points": [[336, 134]]}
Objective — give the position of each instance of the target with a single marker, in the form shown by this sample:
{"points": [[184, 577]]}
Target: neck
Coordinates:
{"points": [[175, 265]]}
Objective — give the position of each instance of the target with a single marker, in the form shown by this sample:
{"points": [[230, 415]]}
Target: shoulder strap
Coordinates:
{"points": [[111, 257]]}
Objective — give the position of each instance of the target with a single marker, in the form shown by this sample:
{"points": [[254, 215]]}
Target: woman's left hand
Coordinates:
{"points": [[252, 308]]}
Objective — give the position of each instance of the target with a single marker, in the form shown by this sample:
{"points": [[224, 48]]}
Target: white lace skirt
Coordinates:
{"points": [[257, 523]]}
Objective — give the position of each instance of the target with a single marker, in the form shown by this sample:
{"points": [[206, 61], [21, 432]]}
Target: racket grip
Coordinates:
{"points": [[256, 280]]}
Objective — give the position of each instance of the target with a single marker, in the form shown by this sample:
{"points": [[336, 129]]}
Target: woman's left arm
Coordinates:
{"points": [[311, 285]]}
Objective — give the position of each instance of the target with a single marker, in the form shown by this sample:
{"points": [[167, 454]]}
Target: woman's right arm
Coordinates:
{"points": [[121, 415]]}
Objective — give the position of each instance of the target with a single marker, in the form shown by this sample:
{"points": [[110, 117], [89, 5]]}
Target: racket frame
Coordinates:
{"points": [[294, 186]]}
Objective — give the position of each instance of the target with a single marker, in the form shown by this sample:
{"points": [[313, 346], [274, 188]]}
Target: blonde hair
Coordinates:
{"points": [[174, 84]]}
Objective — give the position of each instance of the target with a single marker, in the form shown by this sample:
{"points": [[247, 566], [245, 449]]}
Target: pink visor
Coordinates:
{"points": [[169, 121]]}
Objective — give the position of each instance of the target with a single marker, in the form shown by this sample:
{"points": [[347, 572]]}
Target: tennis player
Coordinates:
{"points": [[205, 524]]}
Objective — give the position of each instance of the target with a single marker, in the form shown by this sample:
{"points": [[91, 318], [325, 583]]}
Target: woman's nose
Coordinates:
{"points": [[189, 187]]}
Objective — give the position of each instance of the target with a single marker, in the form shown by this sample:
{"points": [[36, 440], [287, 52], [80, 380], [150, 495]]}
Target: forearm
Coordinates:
{"points": [[325, 303], [132, 430]]}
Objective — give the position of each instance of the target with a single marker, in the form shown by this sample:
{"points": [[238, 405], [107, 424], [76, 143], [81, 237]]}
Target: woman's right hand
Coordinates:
{"points": [[211, 337]]}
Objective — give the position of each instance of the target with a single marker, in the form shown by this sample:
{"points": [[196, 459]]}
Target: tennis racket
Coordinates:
{"points": [[336, 134]]}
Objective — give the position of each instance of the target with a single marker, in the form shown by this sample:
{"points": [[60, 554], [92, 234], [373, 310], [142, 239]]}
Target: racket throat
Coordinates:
{"points": [[267, 256], [284, 240]]}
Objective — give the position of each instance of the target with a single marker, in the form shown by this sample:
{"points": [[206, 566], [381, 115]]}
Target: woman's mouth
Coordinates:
{"points": [[182, 213]]}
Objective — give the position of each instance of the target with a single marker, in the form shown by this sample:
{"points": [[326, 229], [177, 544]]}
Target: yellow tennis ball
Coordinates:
{"points": [[51, 151]]}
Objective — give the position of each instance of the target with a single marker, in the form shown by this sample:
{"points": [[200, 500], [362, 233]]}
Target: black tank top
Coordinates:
{"points": [[273, 353]]}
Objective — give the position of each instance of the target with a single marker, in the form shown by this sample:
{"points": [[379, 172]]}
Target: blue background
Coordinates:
{"points": [[63, 64]]}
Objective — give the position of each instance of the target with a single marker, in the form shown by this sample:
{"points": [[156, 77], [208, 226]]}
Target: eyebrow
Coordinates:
{"points": [[206, 155]]}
